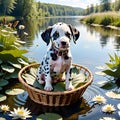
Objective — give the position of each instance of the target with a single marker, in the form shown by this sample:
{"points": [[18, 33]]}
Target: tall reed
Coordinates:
{"points": [[106, 18]]}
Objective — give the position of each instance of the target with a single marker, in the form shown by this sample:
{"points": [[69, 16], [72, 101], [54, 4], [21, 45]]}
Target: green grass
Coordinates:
{"points": [[106, 18], [8, 18]]}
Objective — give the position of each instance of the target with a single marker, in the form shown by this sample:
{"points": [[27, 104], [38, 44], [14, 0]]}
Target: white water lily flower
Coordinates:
{"points": [[113, 94], [107, 118], [108, 108], [4, 108], [21, 27], [25, 33], [119, 113], [99, 99], [118, 106], [5, 31], [20, 113]]}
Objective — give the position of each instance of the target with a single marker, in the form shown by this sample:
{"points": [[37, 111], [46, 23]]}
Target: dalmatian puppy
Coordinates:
{"points": [[57, 62]]}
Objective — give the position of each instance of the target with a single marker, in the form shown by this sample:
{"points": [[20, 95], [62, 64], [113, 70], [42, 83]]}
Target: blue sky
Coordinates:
{"points": [[73, 3]]}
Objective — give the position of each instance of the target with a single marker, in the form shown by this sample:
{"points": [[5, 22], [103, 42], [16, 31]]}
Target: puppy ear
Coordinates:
{"points": [[46, 35], [75, 33]]}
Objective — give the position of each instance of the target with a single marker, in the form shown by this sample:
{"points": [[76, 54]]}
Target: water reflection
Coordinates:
{"points": [[68, 112], [91, 50], [105, 35], [34, 27]]}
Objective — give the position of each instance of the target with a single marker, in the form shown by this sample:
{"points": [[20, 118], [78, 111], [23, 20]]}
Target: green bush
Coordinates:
{"points": [[106, 18], [11, 57], [105, 21]]}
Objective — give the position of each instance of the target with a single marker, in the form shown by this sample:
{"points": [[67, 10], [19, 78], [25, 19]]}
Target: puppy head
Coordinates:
{"points": [[61, 34]]}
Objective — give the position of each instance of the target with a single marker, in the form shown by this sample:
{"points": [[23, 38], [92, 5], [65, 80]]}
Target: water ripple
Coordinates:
{"points": [[92, 91]]}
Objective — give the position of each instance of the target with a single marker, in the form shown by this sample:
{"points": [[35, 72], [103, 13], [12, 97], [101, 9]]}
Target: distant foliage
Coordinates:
{"points": [[106, 18], [30, 8], [6, 6], [104, 6]]}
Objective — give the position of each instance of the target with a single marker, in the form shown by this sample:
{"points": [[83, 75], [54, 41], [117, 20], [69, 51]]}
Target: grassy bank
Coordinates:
{"points": [[105, 19], [8, 18]]}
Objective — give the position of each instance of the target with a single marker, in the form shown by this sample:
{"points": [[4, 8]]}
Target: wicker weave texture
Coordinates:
{"points": [[55, 98]]}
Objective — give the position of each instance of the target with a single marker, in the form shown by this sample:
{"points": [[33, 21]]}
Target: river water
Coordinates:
{"points": [[91, 50]]}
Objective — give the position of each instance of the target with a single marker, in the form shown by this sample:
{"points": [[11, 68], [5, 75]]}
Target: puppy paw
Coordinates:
{"points": [[48, 88], [41, 82], [70, 87]]}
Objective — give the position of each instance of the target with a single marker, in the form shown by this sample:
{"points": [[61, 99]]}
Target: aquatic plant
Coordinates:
{"points": [[107, 118], [106, 18], [49, 116], [11, 56], [20, 113], [4, 108], [99, 99], [113, 68], [108, 108]]}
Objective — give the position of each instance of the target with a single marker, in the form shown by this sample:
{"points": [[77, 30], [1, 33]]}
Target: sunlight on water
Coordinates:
{"points": [[91, 50]]}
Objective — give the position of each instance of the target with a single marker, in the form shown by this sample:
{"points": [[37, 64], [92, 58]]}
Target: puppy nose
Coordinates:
{"points": [[63, 43]]}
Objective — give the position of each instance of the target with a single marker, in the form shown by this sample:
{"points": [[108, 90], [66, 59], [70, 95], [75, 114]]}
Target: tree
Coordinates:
{"points": [[96, 9], [25, 8], [91, 9], [105, 5], [87, 12], [117, 5], [7, 6]]}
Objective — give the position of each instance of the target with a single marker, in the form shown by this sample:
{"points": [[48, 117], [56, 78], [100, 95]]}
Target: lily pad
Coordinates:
{"points": [[1, 73], [20, 60], [8, 68], [102, 83], [3, 83], [101, 67], [12, 75], [1, 61], [0, 88], [29, 78], [59, 86], [75, 70], [100, 73], [15, 91], [2, 97], [112, 94], [33, 71], [2, 118], [16, 65], [77, 80], [108, 85], [49, 116]]}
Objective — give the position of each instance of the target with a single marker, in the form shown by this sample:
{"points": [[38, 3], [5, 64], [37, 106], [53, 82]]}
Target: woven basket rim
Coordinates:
{"points": [[38, 91]]}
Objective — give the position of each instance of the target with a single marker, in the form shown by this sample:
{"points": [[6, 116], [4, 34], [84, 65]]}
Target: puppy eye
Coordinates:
{"points": [[55, 35], [68, 35]]}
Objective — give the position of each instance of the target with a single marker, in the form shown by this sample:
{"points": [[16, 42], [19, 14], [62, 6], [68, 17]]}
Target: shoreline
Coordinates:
{"points": [[108, 26]]}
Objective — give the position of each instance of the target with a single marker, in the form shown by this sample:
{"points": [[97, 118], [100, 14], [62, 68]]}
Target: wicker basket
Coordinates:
{"points": [[55, 98]]}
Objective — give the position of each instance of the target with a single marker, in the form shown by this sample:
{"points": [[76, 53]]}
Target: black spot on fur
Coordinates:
{"points": [[66, 57], [70, 71], [54, 56], [55, 35], [42, 63], [70, 79], [47, 72]]}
